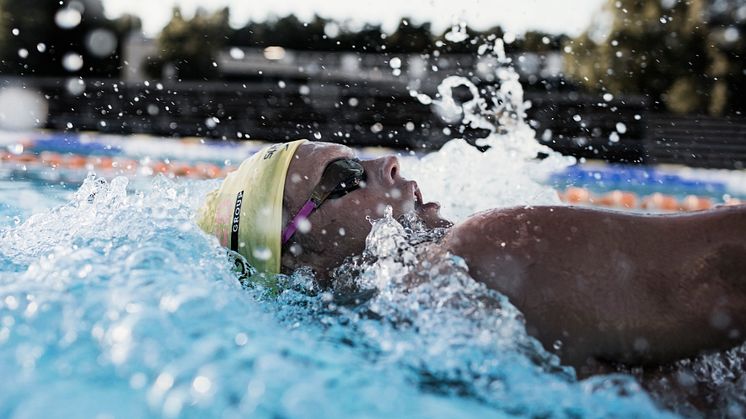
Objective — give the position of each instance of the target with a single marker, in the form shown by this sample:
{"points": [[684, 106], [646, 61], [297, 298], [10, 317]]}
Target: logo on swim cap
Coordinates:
{"points": [[236, 220]]}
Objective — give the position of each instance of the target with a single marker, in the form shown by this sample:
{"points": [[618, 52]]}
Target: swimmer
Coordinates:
{"points": [[614, 288]]}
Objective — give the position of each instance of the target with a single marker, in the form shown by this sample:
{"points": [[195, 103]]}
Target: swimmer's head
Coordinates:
{"points": [[338, 227], [245, 213], [266, 195]]}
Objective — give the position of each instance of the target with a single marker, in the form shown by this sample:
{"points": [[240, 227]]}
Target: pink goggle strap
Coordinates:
{"points": [[292, 226]]}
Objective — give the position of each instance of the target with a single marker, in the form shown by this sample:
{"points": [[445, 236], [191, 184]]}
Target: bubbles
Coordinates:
{"points": [[614, 137], [621, 127], [608, 97], [41, 47], [23, 53], [68, 18], [101, 42], [72, 62]]}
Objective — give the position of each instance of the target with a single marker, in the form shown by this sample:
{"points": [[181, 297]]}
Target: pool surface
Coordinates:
{"points": [[112, 302]]}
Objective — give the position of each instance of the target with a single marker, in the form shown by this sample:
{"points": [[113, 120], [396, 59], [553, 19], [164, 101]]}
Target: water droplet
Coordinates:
{"points": [[72, 61], [262, 253], [457, 33], [304, 226], [509, 37], [67, 18], [237, 53], [212, 122], [101, 42], [241, 339], [164, 381], [11, 302], [201, 384]]}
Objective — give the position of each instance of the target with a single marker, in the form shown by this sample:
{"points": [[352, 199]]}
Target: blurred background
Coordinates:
{"points": [[655, 81]]}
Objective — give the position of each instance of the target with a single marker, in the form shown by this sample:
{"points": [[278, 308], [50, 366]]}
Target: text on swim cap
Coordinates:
{"points": [[236, 219]]}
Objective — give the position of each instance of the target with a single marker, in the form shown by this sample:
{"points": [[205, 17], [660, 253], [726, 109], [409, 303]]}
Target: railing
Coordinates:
{"points": [[700, 141], [378, 113]]}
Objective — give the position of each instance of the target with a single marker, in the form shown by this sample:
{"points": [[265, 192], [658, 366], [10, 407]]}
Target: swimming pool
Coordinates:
{"points": [[113, 302]]}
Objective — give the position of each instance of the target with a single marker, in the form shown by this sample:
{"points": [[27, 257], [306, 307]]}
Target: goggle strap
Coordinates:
{"points": [[303, 214]]}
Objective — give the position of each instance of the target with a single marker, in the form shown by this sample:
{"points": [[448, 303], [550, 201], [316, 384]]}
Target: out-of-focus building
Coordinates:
{"points": [[421, 71]]}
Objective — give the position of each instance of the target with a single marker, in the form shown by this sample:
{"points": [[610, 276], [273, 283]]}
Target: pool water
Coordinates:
{"points": [[114, 304]]}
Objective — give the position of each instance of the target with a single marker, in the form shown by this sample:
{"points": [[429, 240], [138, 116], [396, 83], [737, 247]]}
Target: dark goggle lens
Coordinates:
{"points": [[340, 178]]}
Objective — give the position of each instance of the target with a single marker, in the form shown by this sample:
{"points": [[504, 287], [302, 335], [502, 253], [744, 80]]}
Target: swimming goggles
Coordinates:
{"points": [[340, 177]]}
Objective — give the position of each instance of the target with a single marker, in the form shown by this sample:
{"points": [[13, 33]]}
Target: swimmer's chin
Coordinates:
{"points": [[429, 213]]}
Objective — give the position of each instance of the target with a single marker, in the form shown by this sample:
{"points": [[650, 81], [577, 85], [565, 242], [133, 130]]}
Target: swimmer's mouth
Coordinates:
{"points": [[417, 195]]}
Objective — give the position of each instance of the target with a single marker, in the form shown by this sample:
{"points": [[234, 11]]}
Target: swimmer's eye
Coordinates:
{"points": [[340, 177]]}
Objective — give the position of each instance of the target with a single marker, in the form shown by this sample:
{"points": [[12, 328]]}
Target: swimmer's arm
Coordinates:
{"points": [[624, 288]]}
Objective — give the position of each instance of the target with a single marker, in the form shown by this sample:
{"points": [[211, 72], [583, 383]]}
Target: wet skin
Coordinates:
{"points": [[609, 286]]}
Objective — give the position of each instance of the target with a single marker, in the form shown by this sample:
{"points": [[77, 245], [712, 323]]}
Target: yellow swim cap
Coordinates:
{"points": [[245, 213]]}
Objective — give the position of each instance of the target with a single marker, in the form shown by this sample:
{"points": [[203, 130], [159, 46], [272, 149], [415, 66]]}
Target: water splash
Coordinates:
{"points": [[508, 173], [120, 287]]}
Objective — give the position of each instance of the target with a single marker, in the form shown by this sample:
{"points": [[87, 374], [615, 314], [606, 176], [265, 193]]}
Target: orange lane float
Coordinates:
{"points": [[629, 200], [572, 195], [618, 199], [575, 195]]}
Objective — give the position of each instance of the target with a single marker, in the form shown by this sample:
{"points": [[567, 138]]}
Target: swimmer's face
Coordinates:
{"points": [[339, 227]]}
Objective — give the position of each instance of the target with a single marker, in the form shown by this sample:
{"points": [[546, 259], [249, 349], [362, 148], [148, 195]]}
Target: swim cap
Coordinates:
{"points": [[245, 213]]}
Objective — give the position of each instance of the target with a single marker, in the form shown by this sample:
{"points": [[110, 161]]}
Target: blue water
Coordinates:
{"points": [[113, 302]]}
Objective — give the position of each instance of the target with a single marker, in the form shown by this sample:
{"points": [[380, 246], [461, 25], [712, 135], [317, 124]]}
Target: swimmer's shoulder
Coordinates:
{"points": [[499, 225]]}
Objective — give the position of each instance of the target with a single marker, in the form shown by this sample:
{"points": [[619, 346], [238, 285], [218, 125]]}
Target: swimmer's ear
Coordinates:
{"points": [[241, 267]]}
